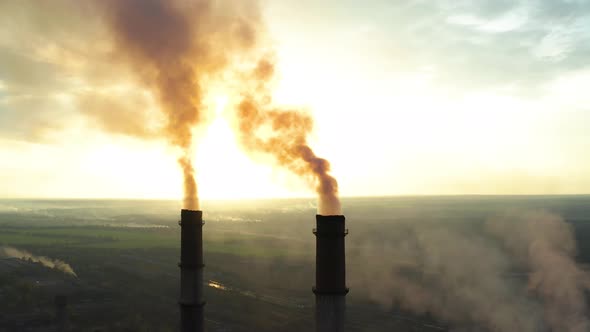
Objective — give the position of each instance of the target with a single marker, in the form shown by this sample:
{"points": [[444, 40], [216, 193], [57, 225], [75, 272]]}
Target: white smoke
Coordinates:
{"points": [[55, 264]]}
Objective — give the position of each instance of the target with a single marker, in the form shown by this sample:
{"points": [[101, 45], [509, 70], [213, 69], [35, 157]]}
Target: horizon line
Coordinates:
{"points": [[282, 198]]}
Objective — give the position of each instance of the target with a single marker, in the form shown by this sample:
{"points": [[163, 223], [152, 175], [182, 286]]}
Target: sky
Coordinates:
{"points": [[409, 97]]}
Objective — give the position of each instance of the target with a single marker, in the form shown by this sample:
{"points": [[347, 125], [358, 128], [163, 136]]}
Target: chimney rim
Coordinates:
{"points": [[189, 210]]}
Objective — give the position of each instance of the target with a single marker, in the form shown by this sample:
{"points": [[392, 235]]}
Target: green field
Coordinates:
{"points": [[125, 256], [216, 241]]}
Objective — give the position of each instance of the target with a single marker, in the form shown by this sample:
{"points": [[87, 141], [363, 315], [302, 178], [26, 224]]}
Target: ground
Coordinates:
{"points": [[259, 260]]}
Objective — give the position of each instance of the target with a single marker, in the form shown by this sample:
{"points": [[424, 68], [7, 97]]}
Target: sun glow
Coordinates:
{"points": [[224, 171]]}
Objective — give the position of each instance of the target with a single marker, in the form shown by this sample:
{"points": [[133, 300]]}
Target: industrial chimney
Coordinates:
{"points": [[330, 275], [61, 314], [191, 271]]}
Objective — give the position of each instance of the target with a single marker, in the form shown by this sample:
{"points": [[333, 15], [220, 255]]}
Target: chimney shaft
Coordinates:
{"points": [[191, 271], [61, 314], [330, 289]]}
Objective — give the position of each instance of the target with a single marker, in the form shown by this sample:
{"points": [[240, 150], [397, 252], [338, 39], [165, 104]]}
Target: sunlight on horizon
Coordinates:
{"points": [[401, 112]]}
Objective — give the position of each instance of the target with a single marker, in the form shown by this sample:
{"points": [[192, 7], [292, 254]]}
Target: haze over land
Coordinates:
{"points": [[461, 263], [430, 264]]}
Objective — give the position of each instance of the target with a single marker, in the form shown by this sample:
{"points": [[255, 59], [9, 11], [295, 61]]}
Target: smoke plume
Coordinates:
{"points": [[282, 133], [177, 48], [474, 280], [55, 264], [149, 69], [458, 278], [546, 245]]}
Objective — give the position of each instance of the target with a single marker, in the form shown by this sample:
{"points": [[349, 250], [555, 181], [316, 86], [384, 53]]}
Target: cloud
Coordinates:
{"points": [[87, 50], [130, 113], [32, 118], [20, 73], [478, 44], [56, 62], [65, 47], [45, 59]]}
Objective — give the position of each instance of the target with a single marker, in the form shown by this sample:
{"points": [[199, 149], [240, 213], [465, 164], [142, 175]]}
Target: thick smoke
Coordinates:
{"points": [[45, 261], [282, 133], [117, 61], [177, 48], [474, 280]]}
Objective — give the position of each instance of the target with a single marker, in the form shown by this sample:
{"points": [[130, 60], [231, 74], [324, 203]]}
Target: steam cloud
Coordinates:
{"points": [[55, 264], [471, 280], [282, 133]]}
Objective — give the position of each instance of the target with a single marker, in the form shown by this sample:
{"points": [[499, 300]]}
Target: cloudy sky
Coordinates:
{"points": [[409, 97]]}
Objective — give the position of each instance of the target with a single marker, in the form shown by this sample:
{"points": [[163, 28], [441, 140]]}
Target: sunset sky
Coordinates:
{"points": [[409, 97]]}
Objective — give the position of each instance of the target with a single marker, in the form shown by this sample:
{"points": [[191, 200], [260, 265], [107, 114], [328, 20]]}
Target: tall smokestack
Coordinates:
{"points": [[61, 302], [330, 275], [191, 271]]}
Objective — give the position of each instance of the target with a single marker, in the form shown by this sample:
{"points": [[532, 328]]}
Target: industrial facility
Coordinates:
{"points": [[330, 289], [262, 274]]}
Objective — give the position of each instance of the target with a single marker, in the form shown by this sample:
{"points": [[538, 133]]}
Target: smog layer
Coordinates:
{"points": [[504, 264]]}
